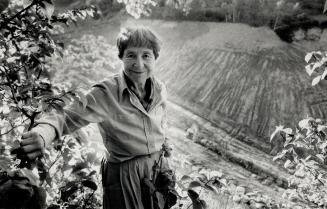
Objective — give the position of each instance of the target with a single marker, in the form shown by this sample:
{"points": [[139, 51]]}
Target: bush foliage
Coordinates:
{"points": [[304, 152]]}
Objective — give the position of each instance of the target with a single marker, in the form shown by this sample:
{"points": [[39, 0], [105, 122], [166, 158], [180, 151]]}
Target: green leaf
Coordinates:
{"points": [[194, 184], [202, 177], [223, 182], [90, 184], [82, 98], [185, 177], [317, 65], [304, 124], [308, 57], [211, 188], [92, 173], [4, 109], [288, 164], [280, 156], [48, 10], [90, 13], [82, 14], [323, 76], [192, 194], [316, 80], [308, 69], [26, 3]]}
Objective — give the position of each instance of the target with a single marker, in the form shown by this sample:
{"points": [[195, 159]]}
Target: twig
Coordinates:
{"points": [[87, 200], [59, 155], [13, 127], [189, 205], [57, 158], [30, 117]]}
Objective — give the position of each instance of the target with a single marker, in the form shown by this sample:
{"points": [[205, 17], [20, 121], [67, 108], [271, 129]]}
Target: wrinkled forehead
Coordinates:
{"points": [[138, 49]]}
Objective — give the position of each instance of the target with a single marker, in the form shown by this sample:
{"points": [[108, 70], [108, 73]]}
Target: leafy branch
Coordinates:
{"points": [[13, 127], [18, 14]]}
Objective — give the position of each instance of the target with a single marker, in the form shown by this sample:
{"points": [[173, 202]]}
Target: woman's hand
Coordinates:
{"points": [[32, 145]]}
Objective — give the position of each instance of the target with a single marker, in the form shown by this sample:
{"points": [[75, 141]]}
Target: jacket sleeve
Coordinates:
{"points": [[54, 125]]}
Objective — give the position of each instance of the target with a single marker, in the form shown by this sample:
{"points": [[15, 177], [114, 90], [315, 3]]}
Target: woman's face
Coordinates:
{"points": [[139, 63]]}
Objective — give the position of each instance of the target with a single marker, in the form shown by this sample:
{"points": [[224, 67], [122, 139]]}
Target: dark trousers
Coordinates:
{"points": [[122, 181]]}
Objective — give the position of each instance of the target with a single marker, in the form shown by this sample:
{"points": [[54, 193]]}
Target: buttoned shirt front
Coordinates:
{"points": [[128, 128]]}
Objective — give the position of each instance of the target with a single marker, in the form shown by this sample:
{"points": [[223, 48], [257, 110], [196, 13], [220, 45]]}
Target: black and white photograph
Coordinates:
{"points": [[163, 104]]}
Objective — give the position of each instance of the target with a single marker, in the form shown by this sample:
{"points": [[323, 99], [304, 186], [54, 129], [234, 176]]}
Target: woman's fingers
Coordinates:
{"points": [[27, 141], [30, 134], [29, 148], [32, 145], [34, 155]]}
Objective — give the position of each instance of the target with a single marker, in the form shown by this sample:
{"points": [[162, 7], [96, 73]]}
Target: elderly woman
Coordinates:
{"points": [[129, 109]]}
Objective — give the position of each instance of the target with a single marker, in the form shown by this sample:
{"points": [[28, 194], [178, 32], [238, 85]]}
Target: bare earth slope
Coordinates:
{"points": [[251, 83]]}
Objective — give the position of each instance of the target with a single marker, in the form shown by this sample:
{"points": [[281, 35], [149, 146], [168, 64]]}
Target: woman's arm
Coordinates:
{"points": [[53, 125]]}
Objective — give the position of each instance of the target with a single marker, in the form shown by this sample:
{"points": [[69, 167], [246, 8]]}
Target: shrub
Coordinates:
{"points": [[304, 151]]}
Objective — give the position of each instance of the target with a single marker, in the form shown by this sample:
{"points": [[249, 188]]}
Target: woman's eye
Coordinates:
{"points": [[147, 56], [130, 56]]}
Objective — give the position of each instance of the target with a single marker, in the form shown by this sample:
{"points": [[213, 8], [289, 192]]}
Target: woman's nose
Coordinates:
{"points": [[138, 62]]}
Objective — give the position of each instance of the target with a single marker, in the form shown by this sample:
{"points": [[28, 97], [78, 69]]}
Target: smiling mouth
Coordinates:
{"points": [[138, 72]]}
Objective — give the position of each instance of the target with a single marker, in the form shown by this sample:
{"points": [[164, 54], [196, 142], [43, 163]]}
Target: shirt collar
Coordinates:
{"points": [[122, 85], [125, 83]]}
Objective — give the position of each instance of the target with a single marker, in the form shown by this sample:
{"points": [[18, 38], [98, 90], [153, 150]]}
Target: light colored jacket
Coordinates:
{"points": [[127, 129]]}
